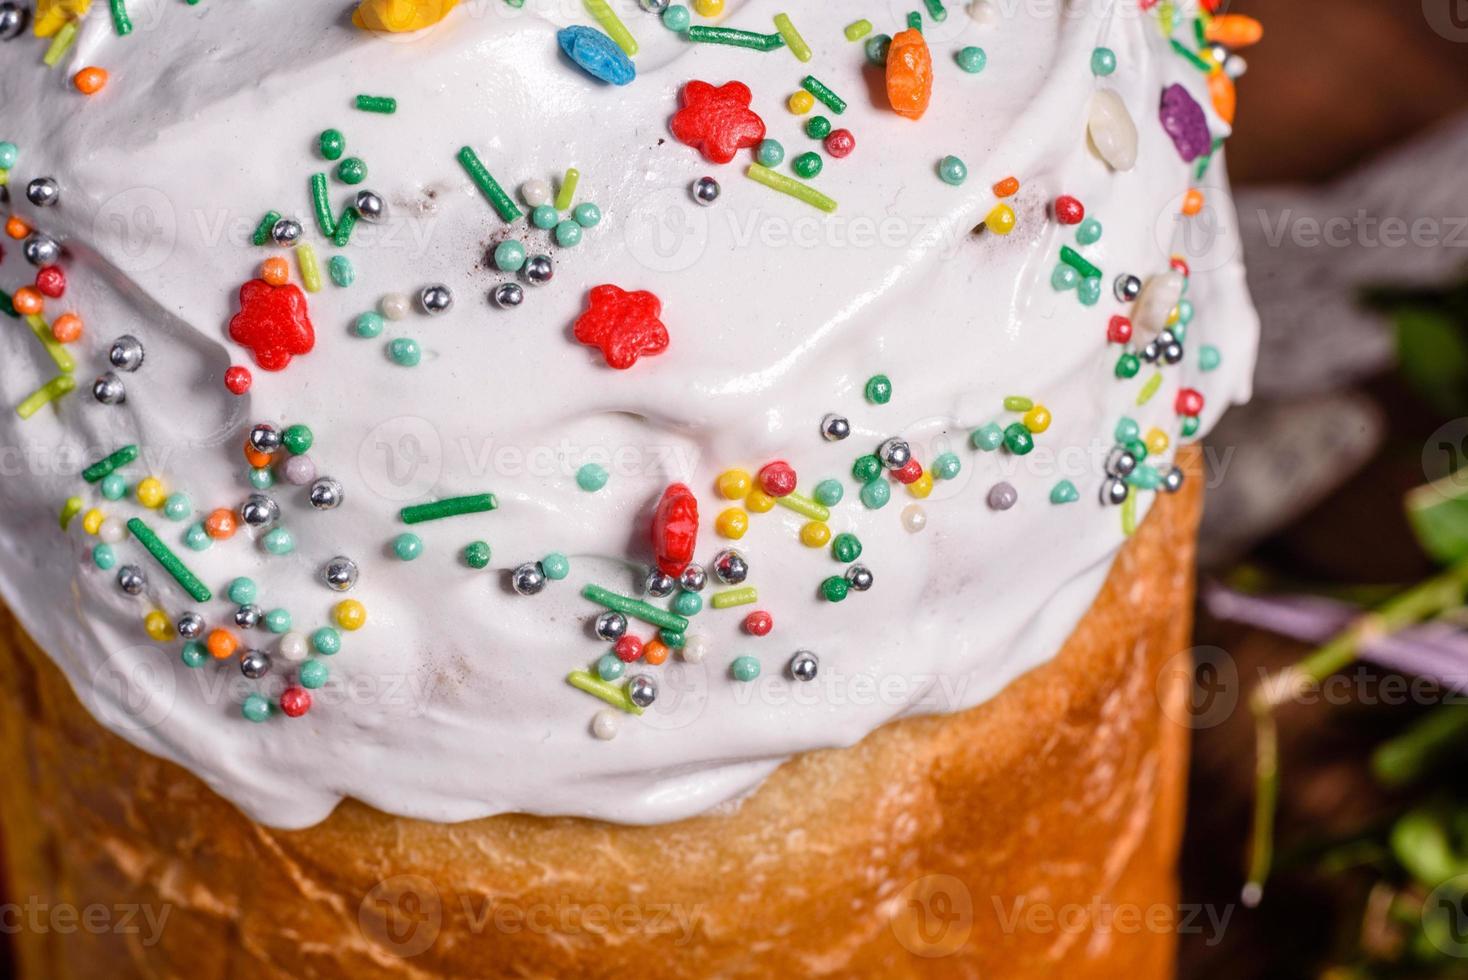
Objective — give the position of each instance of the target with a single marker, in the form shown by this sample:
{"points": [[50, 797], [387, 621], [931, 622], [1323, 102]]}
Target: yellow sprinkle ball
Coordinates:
{"points": [[92, 521], [922, 486], [734, 484], [1157, 441], [801, 102], [1037, 419], [732, 523], [150, 492], [759, 502], [708, 8], [158, 626], [1001, 220], [815, 534], [350, 614]]}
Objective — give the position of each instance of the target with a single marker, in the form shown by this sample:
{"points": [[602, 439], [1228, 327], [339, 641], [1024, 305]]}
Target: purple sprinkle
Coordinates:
{"points": [[1183, 119], [299, 470], [1002, 496]]}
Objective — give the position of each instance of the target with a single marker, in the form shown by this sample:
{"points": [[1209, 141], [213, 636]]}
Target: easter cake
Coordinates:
{"points": [[710, 484]]}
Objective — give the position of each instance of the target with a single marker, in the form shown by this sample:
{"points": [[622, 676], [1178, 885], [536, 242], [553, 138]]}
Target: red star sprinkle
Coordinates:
{"points": [[272, 323], [717, 121], [624, 325]]}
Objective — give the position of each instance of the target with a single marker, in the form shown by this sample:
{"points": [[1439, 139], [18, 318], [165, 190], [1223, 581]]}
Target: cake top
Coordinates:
{"points": [[579, 408]]}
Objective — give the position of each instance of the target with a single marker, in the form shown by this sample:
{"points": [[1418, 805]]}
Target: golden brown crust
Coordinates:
{"points": [[1031, 836]]}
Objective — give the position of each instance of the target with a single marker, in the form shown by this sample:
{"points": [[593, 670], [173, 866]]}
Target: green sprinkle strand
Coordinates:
{"points": [[636, 608], [735, 38], [69, 510], [310, 267], [568, 189], [615, 696], [121, 22], [322, 206], [1078, 262], [476, 503], [1150, 388], [734, 597], [804, 506], [170, 562], [792, 37], [1190, 56], [47, 393], [1129, 515], [384, 104], [935, 10], [789, 185], [344, 226], [488, 186], [915, 21], [823, 92], [858, 29], [262, 230], [7, 306], [108, 464]]}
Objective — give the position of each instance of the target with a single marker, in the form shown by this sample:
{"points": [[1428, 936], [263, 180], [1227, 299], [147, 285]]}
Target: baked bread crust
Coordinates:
{"points": [[1033, 834]]}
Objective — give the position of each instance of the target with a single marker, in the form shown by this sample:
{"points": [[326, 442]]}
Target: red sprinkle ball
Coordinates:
{"points": [[238, 379], [840, 143], [1189, 401], [759, 623], [910, 473], [777, 479], [51, 281], [295, 701], [1119, 330], [1069, 211], [628, 648]]}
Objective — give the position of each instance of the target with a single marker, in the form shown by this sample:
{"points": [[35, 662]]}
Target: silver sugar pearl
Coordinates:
{"points": [[694, 578], [835, 427], [286, 231], [1127, 287], [326, 494], [1172, 353], [126, 353], [265, 438], [1120, 462], [247, 617], [1114, 491], [1151, 352], [730, 567], [706, 190], [130, 579], [859, 577], [13, 18], [340, 573], [528, 579], [611, 626], [654, 6], [804, 666], [658, 585], [43, 192], [190, 626], [41, 249], [436, 299], [1234, 66], [539, 270], [258, 510], [1002, 496], [370, 206], [1172, 480], [508, 295], [255, 664], [894, 453], [109, 389], [642, 690]]}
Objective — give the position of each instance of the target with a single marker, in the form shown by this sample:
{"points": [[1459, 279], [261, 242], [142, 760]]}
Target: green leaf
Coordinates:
{"points": [[1438, 513], [1433, 354]]}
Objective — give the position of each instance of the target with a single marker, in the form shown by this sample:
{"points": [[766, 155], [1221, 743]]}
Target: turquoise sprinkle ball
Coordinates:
{"points": [[829, 492], [1209, 357], [242, 591], [676, 17], [196, 538], [947, 466], [368, 325], [104, 557], [326, 640], [556, 566], [609, 667], [1064, 492], [407, 546], [1126, 430], [341, 271], [1103, 62], [255, 708], [688, 604], [988, 437], [972, 59], [194, 654], [114, 487], [1089, 291], [771, 153], [279, 542], [568, 234], [278, 621], [587, 215], [545, 217], [876, 494], [312, 674], [405, 351], [1089, 232], [178, 506], [509, 256], [877, 47], [262, 478], [952, 170], [591, 477], [1064, 277], [744, 669]]}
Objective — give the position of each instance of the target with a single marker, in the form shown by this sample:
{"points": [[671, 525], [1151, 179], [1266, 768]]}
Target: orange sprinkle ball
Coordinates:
{"points": [[16, 228], [67, 328], [220, 524], [255, 457], [27, 301], [654, 652], [1008, 187], [276, 271], [90, 80], [222, 644], [1192, 202]]}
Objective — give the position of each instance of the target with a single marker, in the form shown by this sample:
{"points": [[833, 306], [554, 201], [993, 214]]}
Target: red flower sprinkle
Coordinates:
{"points": [[624, 325], [1189, 401], [238, 379], [1119, 330], [1069, 211], [295, 701], [717, 121], [272, 323], [51, 281], [675, 529], [777, 479], [759, 623]]}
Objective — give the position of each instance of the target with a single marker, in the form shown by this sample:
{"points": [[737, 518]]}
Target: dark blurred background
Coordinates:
{"points": [[1342, 101]]}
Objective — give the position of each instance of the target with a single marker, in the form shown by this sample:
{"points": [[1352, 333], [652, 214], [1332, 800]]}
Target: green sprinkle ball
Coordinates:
{"points": [[405, 351], [333, 143], [1128, 365], [972, 59], [807, 165], [407, 546], [771, 153], [591, 477], [952, 170], [351, 171], [297, 439], [476, 554], [835, 588], [877, 47], [866, 468], [879, 389], [818, 127], [1017, 439], [846, 547]]}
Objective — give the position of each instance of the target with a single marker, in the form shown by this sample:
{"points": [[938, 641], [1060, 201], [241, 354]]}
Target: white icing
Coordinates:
{"points": [[451, 703]]}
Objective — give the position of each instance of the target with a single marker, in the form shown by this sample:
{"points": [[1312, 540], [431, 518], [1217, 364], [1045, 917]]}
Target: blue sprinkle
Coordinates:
{"points": [[596, 54]]}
